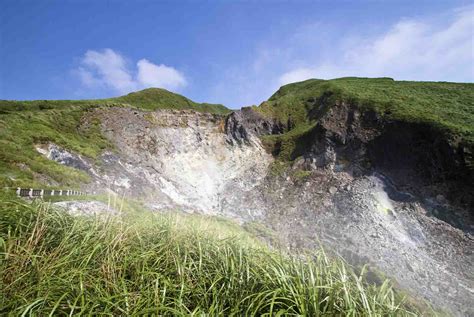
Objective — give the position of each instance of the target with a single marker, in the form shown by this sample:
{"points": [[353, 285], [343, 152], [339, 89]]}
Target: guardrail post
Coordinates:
{"points": [[18, 191], [52, 192], [42, 193], [30, 193]]}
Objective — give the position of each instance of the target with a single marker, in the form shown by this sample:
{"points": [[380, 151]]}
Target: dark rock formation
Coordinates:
{"points": [[415, 157], [239, 124]]}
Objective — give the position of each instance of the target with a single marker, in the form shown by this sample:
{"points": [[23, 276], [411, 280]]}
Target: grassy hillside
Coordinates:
{"points": [[156, 98], [25, 123], [147, 99], [448, 107], [52, 263]]}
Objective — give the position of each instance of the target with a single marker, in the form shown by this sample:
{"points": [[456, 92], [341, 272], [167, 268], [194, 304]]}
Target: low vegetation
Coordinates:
{"points": [[149, 99], [52, 263], [156, 98], [21, 130]]}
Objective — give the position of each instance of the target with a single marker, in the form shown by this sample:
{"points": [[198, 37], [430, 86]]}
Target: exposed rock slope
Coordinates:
{"points": [[402, 206], [174, 159]]}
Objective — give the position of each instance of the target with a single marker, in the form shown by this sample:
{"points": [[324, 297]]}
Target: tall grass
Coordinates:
{"points": [[52, 263]]}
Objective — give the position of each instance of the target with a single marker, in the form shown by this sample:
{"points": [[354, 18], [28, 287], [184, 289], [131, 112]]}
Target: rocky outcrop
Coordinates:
{"points": [[181, 159], [413, 156], [393, 194], [64, 157], [239, 125]]}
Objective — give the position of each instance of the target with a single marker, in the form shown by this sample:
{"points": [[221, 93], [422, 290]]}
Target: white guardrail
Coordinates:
{"points": [[31, 193]]}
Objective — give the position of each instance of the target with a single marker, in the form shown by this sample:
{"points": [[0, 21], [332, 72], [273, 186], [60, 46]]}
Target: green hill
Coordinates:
{"points": [[147, 99], [157, 98], [448, 107]]}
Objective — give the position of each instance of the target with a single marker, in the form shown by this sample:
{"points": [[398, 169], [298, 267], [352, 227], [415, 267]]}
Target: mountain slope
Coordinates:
{"points": [[147, 99], [448, 108], [23, 124]]}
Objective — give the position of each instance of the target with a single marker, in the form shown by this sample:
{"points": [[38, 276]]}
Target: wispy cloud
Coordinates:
{"points": [[109, 70], [410, 49]]}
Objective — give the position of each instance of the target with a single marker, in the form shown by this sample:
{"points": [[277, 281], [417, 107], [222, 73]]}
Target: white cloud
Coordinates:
{"points": [[108, 69], [150, 74], [410, 49]]}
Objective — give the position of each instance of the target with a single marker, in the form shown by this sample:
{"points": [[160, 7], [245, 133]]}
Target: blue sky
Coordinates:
{"points": [[235, 53]]}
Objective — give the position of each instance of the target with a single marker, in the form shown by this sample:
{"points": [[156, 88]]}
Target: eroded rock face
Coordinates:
{"points": [[361, 194], [64, 157], [241, 125], [183, 159], [368, 221], [401, 204], [392, 194]]}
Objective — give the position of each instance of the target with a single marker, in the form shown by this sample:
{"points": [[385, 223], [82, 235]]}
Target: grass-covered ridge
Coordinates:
{"points": [[26, 123], [157, 98], [52, 263], [448, 107], [147, 99]]}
